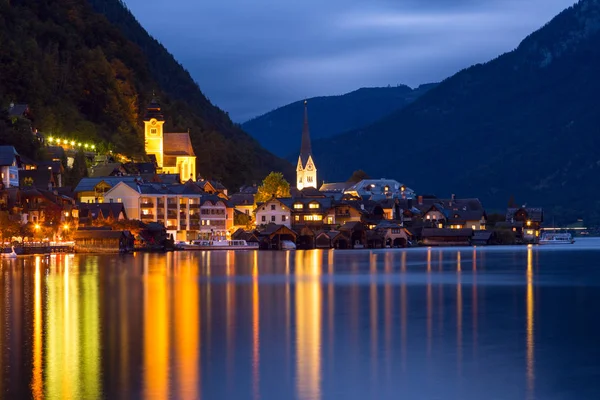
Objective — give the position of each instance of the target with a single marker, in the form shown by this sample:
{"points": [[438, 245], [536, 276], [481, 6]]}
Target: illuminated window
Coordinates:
{"points": [[330, 220], [313, 205], [297, 218], [298, 206], [309, 179], [119, 200], [473, 227], [428, 216]]}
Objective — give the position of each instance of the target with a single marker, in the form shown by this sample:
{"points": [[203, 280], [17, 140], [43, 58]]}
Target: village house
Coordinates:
{"points": [[274, 211], [526, 222], [177, 207], [101, 213], [10, 162], [92, 190], [216, 217], [393, 234], [379, 189]]}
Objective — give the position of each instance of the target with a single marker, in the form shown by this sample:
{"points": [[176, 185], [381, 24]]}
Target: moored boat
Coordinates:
{"points": [[556, 238], [219, 245]]}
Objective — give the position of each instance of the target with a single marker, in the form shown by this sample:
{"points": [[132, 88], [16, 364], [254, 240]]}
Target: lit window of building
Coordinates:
{"points": [[313, 205], [298, 206]]}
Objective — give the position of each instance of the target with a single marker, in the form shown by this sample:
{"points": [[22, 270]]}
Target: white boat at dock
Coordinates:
{"points": [[556, 238], [219, 245]]}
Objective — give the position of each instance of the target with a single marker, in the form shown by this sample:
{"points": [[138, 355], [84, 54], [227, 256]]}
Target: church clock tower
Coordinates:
{"points": [[306, 171], [153, 131]]}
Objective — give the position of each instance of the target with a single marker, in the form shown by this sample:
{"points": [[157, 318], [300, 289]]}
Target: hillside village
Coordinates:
{"points": [[117, 202]]}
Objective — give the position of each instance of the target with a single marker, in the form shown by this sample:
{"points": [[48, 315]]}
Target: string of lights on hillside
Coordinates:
{"points": [[72, 143]]}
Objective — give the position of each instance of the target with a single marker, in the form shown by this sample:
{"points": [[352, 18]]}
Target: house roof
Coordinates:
{"points": [[334, 187], [242, 199], [55, 152], [8, 155], [18, 110], [535, 214], [272, 229], [107, 210], [108, 169], [352, 226], [56, 166], [88, 184], [177, 144]]}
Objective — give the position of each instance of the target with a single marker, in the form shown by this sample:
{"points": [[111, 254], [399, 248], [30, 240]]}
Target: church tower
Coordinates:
{"points": [[306, 171], [153, 131]]}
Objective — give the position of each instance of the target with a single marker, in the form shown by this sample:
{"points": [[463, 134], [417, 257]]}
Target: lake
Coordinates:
{"points": [[453, 323]]}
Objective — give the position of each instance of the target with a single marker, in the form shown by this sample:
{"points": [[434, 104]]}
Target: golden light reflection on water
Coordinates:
{"points": [[37, 383], [186, 311], [403, 312], [156, 328], [475, 305], [530, 341], [308, 324], [72, 326]]}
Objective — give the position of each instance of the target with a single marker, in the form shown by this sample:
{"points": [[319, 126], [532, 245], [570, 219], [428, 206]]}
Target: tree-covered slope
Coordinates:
{"points": [[87, 78], [525, 124], [329, 116]]}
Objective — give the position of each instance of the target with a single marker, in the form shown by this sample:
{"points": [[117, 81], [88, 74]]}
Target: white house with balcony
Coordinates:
{"points": [[177, 207], [216, 217]]}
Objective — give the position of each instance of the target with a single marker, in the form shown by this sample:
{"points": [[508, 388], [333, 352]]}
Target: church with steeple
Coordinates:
{"points": [[173, 152], [306, 171]]}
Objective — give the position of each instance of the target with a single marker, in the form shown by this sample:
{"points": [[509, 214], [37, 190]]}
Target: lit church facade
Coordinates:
{"points": [[173, 151], [306, 171]]}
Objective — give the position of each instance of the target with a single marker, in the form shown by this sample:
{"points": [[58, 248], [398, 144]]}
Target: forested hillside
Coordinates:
{"points": [[89, 79], [526, 124]]}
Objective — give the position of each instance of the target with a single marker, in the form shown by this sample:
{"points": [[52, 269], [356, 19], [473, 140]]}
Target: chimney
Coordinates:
{"points": [[420, 200]]}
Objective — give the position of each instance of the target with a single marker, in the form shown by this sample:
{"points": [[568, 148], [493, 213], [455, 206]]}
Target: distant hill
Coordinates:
{"points": [[87, 69], [525, 124], [328, 116]]}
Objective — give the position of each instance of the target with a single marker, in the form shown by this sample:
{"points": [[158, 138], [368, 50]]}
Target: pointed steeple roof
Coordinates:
{"points": [[305, 148]]}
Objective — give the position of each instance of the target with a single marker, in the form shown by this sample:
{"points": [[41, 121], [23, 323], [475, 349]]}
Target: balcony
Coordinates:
{"points": [[147, 217], [147, 205]]}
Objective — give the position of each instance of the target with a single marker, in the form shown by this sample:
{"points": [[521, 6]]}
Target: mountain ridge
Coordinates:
{"points": [[329, 115], [522, 124]]}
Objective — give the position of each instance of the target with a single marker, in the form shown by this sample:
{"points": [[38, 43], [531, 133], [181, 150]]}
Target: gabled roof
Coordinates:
{"points": [[242, 199], [8, 154], [535, 214], [106, 209], [108, 169], [153, 111], [177, 144], [88, 184]]}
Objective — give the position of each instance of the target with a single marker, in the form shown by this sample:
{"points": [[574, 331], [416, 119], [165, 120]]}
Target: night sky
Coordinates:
{"points": [[251, 56]]}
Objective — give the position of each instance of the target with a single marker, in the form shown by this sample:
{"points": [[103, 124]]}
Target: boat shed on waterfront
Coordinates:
{"points": [[272, 236], [103, 241]]}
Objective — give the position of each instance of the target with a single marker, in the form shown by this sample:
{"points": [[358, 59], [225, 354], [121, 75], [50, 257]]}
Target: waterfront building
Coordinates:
{"points": [[172, 151], [306, 170], [378, 189], [177, 207], [216, 217], [526, 222], [274, 211], [92, 190]]}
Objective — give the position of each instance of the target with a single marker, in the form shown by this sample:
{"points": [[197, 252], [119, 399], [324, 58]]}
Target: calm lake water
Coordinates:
{"points": [[461, 323]]}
